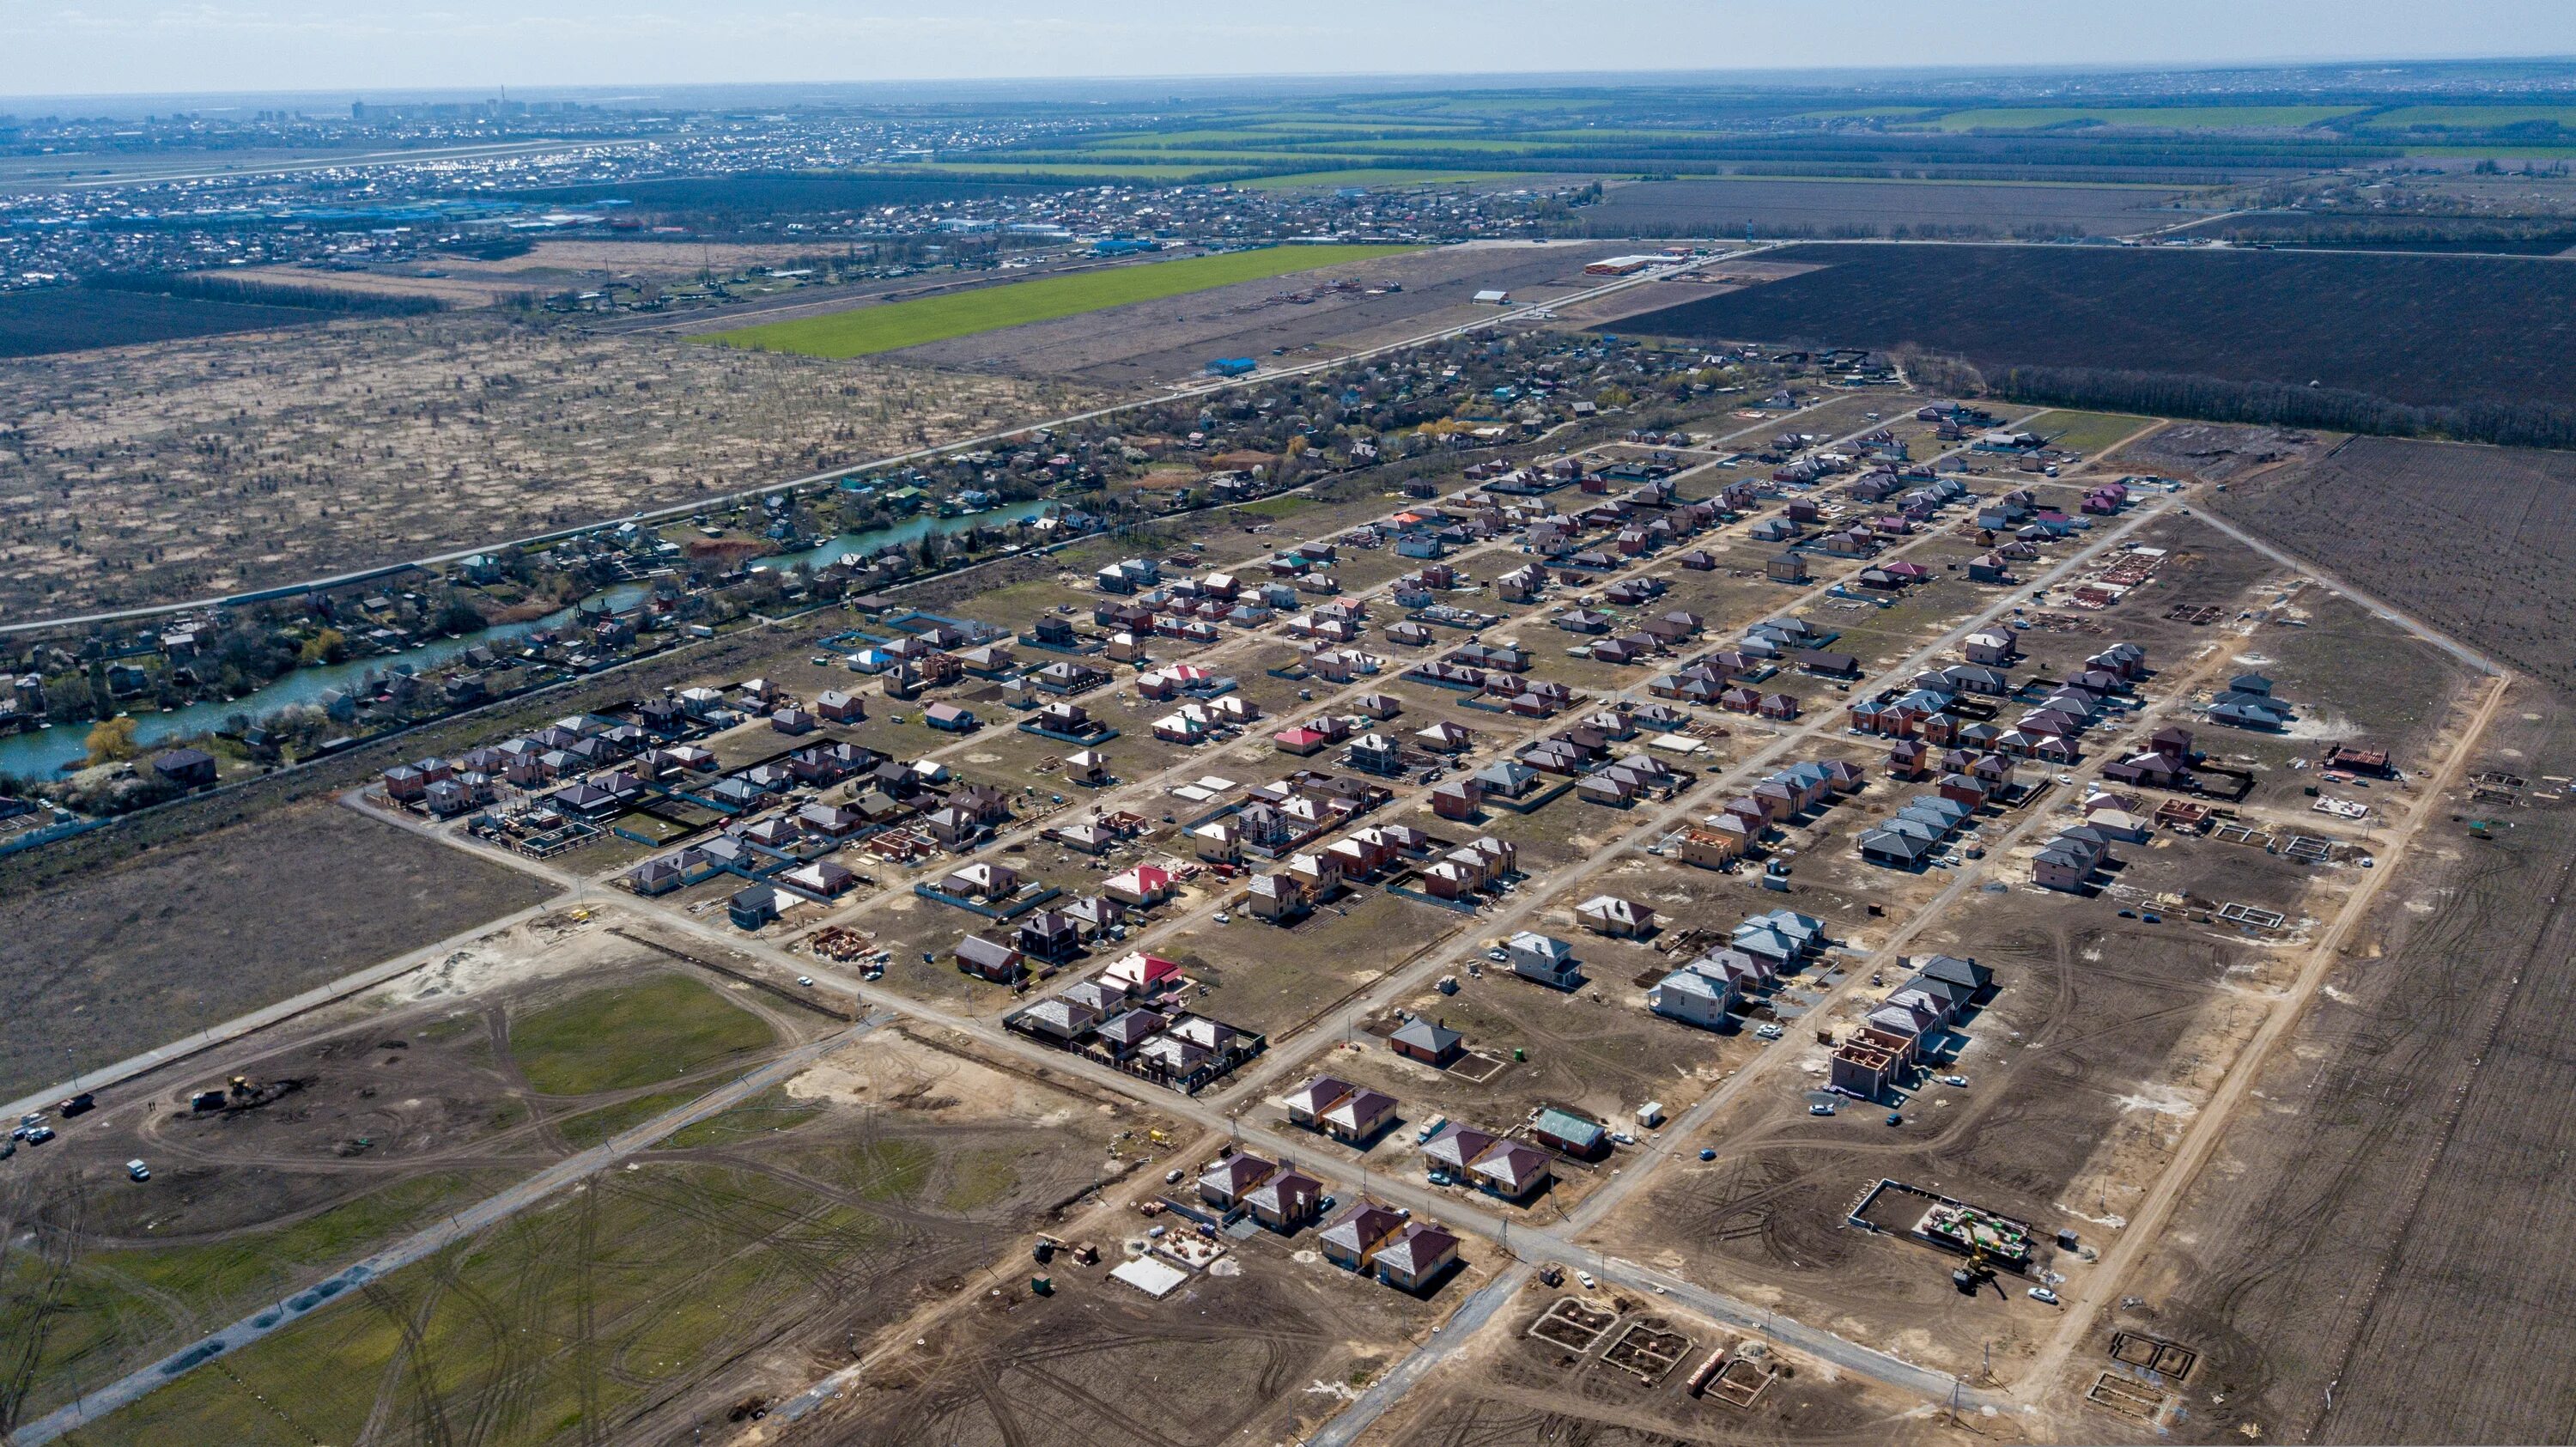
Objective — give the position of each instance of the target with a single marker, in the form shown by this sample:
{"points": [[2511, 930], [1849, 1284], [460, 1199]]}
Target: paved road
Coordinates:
{"points": [[698, 505], [489, 1212]]}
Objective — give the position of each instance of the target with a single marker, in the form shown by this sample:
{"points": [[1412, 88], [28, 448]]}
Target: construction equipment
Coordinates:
{"points": [[1972, 1278]]}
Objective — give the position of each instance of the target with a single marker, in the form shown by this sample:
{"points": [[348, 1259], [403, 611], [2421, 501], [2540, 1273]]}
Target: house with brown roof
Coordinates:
{"points": [[1286, 1201], [1356, 1235], [990, 960], [1511, 1171], [1224, 1184], [1417, 1259], [1359, 1117]]}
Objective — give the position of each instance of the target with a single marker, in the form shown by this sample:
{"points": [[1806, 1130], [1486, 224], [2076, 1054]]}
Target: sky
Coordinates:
{"points": [[127, 47]]}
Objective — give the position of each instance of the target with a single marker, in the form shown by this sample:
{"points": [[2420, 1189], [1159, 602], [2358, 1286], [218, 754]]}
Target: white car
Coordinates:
{"points": [[1959, 1081], [2043, 1296], [806, 980], [1586, 1278], [1768, 1031]]}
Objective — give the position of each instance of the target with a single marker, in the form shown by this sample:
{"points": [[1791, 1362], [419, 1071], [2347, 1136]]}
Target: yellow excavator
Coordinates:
{"points": [[1972, 1278]]}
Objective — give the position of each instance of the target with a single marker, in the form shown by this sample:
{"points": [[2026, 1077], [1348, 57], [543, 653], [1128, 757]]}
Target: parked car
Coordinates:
{"points": [[1820, 1107], [1960, 1081], [1768, 1031], [1896, 1117], [2043, 1296], [1587, 1279]]}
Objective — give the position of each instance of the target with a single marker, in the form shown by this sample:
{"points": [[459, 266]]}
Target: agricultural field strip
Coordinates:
{"points": [[725, 500], [456, 1227], [1207, 1111], [2283, 1013], [870, 330], [579, 888]]}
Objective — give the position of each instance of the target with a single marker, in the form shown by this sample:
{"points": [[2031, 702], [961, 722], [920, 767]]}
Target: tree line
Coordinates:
{"points": [[2266, 404], [238, 292]]}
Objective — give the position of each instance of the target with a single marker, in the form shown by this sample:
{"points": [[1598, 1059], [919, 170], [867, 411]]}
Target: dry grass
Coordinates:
{"points": [[151, 473]]}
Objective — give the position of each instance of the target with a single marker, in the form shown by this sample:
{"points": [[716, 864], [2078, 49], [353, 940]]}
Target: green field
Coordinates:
{"points": [[1371, 176], [567, 1318], [2179, 118], [2470, 118], [865, 331], [1103, 171], [1848, 113], [115, 1310], [2085, 432], [629, 1035]]}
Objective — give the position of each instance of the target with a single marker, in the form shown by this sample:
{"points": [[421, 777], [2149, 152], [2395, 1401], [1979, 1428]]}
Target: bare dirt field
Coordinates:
{"points": [[1165, 340], [2411, 520], [2215, 451], [2389, 1209], [146, 474], [1509, 1386], [1879, 208], [551, 266], [155, 947], [1261, 1349]]}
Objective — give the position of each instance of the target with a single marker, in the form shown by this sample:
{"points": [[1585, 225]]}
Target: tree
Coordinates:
{"points": [[111, 739], [328, 645]]}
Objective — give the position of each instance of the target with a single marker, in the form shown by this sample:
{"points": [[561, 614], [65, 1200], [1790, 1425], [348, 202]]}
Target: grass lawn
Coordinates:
{"points": [[628, 1035], [868, 330], [1277, 507], [2086, 432]]}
